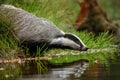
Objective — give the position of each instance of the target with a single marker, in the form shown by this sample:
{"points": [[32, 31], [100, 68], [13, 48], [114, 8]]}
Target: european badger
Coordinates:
{"points": [[33, 31]]}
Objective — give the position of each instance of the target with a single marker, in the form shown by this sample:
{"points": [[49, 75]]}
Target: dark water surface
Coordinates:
{"points": [[103, 72], [80, 70], [68, 71]]}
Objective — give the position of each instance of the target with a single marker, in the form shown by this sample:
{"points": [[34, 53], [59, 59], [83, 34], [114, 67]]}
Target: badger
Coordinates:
{"points": [[33, 31]]}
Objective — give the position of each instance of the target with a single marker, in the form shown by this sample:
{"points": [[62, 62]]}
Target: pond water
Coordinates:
{"points": [[111, 71], [80, 70]]}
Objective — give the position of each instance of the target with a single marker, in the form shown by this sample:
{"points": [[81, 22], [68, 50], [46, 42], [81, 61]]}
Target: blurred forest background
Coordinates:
{"points": [[111, 7]]}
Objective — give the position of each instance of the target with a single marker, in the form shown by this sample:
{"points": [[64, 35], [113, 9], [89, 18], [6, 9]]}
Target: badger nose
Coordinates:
{"points": [[84, 49]]}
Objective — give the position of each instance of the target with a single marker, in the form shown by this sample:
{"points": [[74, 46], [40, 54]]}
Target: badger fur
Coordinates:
{"points": [[33, 31]]}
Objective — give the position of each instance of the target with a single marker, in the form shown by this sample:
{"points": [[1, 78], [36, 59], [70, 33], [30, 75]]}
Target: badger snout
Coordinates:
{"points": [[84, 48]]}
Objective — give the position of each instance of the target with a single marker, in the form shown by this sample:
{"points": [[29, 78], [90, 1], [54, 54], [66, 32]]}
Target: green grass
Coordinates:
{"points": [[62, 13], [8, 41]]}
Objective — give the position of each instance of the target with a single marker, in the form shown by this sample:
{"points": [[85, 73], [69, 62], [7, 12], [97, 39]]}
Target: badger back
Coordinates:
{"points": [[30, 27]]}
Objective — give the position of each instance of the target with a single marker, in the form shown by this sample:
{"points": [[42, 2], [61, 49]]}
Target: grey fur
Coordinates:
{"points": [[29, 26]]}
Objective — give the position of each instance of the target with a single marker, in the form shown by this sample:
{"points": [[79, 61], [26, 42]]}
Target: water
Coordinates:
{"points": [[68, 71], [80, 70], [103, 72]]}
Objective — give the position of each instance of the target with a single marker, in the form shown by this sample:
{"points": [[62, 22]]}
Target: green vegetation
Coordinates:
{"points": [[111, 8], [63, 13], [8, 42], [9, 71]]}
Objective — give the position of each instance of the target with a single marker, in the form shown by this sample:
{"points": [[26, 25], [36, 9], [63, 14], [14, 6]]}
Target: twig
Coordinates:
{"points": [[19, 60]]}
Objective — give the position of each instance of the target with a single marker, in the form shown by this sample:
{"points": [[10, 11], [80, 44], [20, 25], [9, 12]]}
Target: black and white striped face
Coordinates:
{"points": [[70, 41]]}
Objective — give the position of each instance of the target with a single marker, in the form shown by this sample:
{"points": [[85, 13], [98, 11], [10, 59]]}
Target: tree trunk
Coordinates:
{"points": [[93, 18]]}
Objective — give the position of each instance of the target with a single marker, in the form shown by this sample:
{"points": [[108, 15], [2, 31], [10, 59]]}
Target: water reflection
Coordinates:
{"points": [[39, 70], [34, 67], [111, 71], [68, 71], [9, 71]]}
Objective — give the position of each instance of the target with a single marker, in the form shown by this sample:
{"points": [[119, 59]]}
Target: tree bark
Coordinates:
{"points": [[93, 18]]}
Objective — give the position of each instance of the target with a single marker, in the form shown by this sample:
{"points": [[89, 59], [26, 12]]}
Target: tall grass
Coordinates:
{"points": [[8, 41]]}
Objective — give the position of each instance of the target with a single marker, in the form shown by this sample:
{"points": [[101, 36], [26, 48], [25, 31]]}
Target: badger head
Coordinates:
{"points": [[69, 41]]}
